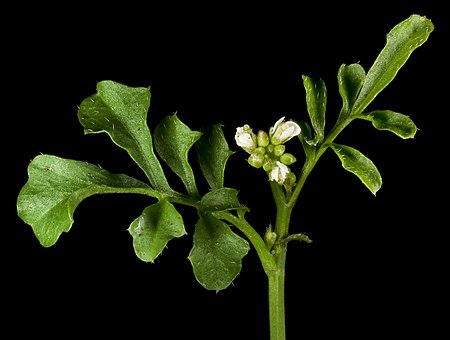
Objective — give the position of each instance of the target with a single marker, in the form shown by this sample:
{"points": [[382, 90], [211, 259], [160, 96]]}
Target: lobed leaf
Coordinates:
{"points": [[395, 122], [402, 40], [121, 112], [217, 253], [221, 199], [173, 140], [56, 186], [213, 153], [354, 161], [158, 224]]}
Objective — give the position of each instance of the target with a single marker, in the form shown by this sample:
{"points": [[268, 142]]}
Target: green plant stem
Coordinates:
{"points": [[276, 280], [276, 298]]}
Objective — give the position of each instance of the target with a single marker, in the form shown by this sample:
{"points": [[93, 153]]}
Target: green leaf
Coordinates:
{"points": [[217, 253], [121, 112], [395, 122], [350, 80], [316, 102], [173, 140], [221, 199], [306, 139], [213, 154], [358, 164], [158, 224], [56, 186], [402, 40]]}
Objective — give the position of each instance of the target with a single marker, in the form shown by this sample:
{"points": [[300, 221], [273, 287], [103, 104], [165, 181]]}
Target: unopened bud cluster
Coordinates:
{"points": [[267, 150]]}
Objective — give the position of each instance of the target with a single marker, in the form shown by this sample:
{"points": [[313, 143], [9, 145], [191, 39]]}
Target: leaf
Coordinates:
{"points": [[316, 102], [158, 224], [55, 188], [395, 122], [402, 40], [307, 140], [358, 164], [350, 80], [121, 112], [213, 154], [173, 140], [217, 253], [221, 199]]}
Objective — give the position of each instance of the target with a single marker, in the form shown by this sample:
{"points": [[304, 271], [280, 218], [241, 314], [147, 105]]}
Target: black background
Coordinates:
{"points": [[376, 264]]}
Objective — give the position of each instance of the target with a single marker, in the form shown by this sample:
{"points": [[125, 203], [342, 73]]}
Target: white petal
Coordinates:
{"points": [[284, 170], [277, 124], [287, 134], [296, 129], [274, 174], [245, 140]]}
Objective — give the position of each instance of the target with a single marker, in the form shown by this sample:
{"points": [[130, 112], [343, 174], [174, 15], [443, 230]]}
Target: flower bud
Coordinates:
{"points": [[245, 138], [287, 159], [256, 160], [289, 183], [270, 148], [270, 237], [260, 150], [278, 150], [263, 138], [283, 131], [268, 164]]}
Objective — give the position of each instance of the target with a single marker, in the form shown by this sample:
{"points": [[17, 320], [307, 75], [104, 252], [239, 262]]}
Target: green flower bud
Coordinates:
{"points": [[287, 159], [268, 164], [278, 150], [289, 182], [263, 138], [270, 237], [256, 160], [260, 150], [270, 148]]}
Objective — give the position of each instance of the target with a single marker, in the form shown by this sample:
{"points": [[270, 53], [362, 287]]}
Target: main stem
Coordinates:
{"points": [[276, 279], [276, 300]]}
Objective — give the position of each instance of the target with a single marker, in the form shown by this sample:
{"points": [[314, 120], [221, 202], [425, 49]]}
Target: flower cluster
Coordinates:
{"points": [[267, 150]]}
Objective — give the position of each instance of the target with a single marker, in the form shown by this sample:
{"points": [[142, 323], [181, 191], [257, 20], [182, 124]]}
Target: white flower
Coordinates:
{"points": [[279, 173], [283, 131], [246, 139]]}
